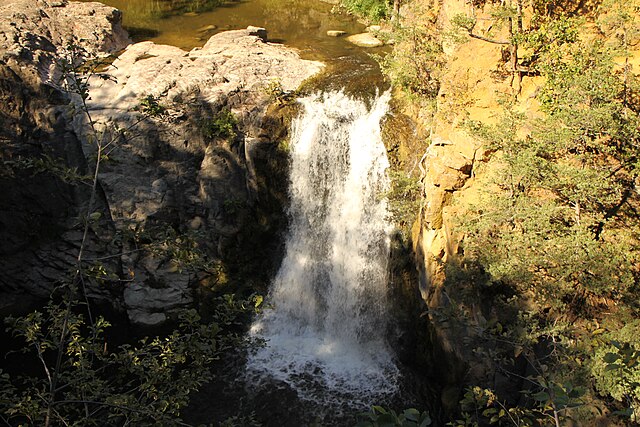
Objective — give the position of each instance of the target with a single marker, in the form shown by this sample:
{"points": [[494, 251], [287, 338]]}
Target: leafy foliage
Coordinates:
{"points": [[87, 384], [151, 106], [552, 224], [381, 417], [221, 125], [404, 198], [374, 10], [414, 65], [44, 164], [616, 368], [482, 406], [552, 241], [277, 94]]}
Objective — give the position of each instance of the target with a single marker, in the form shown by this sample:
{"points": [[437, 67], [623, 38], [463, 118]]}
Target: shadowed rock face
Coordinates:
{"points": [[166, 175], [39, 212], [171, 171]]}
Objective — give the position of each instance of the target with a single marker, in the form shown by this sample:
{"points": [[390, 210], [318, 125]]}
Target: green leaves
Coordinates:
{"points": [[150, 105], [554, 233], [381, 417], [146, 383], [374, 10], [221, 125], [415, 63]]}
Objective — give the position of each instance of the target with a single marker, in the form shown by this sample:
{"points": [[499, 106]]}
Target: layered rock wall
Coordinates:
{"points": [[473, 82], [170, 183]]}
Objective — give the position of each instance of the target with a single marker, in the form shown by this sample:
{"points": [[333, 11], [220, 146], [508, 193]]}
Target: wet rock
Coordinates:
{"points": [[207, 29], [365, 40], [336, 33]]}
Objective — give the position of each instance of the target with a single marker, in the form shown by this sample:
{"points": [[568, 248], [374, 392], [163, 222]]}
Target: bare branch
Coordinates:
{"points": [[487, 39]]}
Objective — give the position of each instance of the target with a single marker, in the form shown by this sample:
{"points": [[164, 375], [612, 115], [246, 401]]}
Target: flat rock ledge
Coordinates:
{"points": [[238, 61], [365, 40]]}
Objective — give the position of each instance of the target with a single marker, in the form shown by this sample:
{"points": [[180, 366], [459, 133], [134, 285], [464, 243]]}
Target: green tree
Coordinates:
{"points": [[555, 232]]}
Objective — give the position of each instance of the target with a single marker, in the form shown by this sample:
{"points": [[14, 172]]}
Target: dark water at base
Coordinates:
{"points": [[231, 397]]}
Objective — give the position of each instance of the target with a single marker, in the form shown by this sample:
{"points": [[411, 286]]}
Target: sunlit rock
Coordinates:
{"points": [[365, 40]]}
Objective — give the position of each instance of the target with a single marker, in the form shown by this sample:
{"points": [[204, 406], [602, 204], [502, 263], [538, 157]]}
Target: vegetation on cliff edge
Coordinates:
{"points": [[550, 248]]}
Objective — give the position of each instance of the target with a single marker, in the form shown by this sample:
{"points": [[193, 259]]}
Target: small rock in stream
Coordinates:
{"points": [[207, 29], [365, 40]]}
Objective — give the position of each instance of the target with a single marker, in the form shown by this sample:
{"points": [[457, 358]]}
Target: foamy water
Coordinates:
{"points": [[325, 333]]}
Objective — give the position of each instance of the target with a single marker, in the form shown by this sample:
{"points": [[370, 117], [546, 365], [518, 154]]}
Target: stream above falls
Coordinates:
{"points": [[302, 24]]}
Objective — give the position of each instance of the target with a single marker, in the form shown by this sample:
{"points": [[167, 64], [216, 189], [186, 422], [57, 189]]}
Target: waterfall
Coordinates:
{"points": [[326, 320]]}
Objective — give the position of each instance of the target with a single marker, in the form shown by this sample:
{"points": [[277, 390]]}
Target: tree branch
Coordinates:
{"points": [[487, 39], [111, 405]]}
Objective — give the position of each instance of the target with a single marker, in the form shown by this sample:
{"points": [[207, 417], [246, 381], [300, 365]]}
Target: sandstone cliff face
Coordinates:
{"points": [[473, 81], [164, 176]]}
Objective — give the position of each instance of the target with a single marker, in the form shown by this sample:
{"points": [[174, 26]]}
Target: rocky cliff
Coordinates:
{"points": [[40, 209], [187, 151], [473, 80]]}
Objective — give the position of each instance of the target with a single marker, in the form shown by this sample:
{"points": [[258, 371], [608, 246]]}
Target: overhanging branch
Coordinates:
{"points": [[486, 39]]}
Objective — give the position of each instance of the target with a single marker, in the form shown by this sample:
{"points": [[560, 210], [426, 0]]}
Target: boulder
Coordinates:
{"points": [[38, 33], [336, 33], [365, 40]]}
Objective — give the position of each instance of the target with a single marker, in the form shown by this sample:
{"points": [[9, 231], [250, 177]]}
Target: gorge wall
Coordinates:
{"points": [[474, 79], [191, 167]]}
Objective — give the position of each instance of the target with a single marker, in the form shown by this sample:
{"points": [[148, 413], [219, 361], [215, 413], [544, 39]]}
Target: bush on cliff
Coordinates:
{"points": [[554, 236]]}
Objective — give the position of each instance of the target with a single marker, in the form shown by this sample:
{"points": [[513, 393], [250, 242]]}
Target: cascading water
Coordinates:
{"points": [[325, 330]]}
